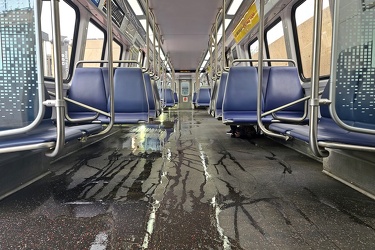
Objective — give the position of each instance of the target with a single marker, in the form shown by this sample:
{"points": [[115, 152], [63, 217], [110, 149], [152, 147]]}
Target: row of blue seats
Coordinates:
{"points": [[328, 130], [281, 86], [44, 134], [353, 105], [90, 86], [236, 97], [136, 98]]}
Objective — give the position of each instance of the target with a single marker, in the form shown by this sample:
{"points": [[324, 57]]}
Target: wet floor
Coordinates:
{"points": [[182, 183]]}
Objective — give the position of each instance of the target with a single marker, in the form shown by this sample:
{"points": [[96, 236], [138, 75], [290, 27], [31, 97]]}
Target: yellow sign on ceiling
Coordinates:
{"points": [[249, 20]]}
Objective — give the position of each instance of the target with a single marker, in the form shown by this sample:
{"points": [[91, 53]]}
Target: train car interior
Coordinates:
{"points": [[175, 124]]}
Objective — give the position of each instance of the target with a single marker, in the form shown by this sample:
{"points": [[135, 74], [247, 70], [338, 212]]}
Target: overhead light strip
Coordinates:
{"points": [[234, 7], [136, 7]]}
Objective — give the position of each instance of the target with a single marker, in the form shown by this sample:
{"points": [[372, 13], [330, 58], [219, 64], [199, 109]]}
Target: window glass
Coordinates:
{"points": [[67, 24], [117, 49], [304, 22], [94, 45], [275, 43], [254, 50]]}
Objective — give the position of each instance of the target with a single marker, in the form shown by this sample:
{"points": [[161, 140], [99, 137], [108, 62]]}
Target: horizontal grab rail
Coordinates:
{"points": [[104, 61], [288, 105], [83, 105], [265, 60]]}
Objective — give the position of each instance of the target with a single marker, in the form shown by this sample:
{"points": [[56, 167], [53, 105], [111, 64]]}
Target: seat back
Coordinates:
{"points": [[168, 98], [203, 97], [282, 87], [213, 97], [88, 87], [241, 89], [194, 99], [222, 83], [157, 98], [130, 91], [150, 95]]}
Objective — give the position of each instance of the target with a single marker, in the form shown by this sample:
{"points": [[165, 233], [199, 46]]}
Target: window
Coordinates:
{"points": [[254, 49], [303, 28], [94, 45], [68, 19], [117, 50], [275, 43]]}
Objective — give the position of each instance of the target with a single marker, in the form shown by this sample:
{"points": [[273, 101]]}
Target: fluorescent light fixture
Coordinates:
{"points": [[136, 8], [162, 56], [219, 36], [207, 56], [234, 7], [143, 22], [227, 22], [204, 64]]}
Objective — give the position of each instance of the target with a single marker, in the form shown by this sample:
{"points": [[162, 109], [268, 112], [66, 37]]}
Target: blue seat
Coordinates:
{"points": [[89, 86], [168, 98], [45, 133], [130, 98], [194, 99], [222, 83], [211, 108], [328, 130], [157, 98], [276, 81], [150, 96], [203, 97], [240, 97], [240, 94]]}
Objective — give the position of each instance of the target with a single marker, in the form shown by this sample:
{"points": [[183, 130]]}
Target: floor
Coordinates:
{"points": [[182, 183]]}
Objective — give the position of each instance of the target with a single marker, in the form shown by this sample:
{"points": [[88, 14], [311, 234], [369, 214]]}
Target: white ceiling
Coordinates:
{"points": [[185, 27]]}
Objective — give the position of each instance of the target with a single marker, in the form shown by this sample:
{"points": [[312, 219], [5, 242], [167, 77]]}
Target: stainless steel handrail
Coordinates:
{"points": [[59, 103], [147, 37], [223, 61], [106, 61], [110, 72], [45, 145], [98, 111], [314, 102], [260, 76], [265, 60]]}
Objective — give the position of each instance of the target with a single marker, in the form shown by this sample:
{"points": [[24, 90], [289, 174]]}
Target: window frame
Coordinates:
{"points": [[266, 30], [297, 44], [97, 25], [121, 49], [248, 48], [74, 45]]}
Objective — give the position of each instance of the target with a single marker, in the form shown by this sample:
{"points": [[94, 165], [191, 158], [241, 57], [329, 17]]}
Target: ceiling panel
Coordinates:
{"points": [[185, 26]]}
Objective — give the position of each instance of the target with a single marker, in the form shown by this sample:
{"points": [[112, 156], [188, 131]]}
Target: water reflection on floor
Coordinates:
{"points": [[182, 183]]}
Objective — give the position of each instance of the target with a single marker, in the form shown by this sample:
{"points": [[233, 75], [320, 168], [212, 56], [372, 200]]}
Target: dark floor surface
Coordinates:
{"points": [[183, 183]]}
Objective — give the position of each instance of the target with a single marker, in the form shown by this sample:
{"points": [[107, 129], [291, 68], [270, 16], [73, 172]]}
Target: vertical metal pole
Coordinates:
{"points": [[223, 61], [59, 101], [211, 57], [260, 74], [314, 102], [147, 37], [110, 70]]}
